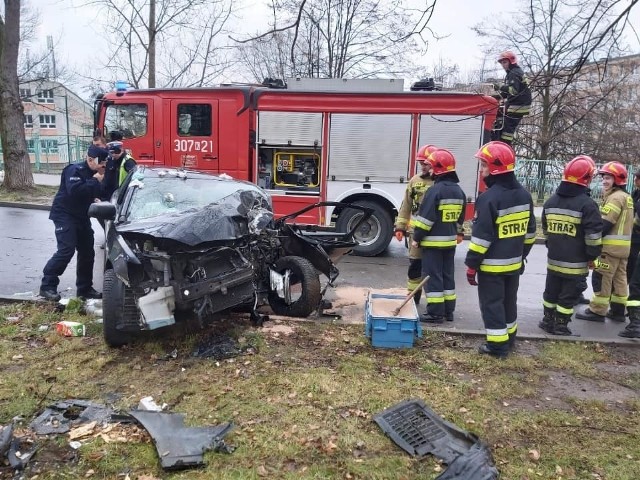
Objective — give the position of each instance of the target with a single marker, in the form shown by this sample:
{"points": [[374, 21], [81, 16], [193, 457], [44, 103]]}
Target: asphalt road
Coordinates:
{"points": [[27, 241]]}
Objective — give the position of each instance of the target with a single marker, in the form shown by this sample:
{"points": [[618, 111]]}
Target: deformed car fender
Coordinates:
{"points": [[120, 256]]}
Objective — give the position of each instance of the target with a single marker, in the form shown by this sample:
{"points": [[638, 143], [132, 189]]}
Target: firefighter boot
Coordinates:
{"points": [[633, 329], [616, 312], [548, 322], [562, 324]]}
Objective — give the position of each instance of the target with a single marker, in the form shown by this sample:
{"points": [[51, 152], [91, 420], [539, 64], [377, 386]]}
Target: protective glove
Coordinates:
{"points": [[471, 276], [400, 234], [459, 238]]}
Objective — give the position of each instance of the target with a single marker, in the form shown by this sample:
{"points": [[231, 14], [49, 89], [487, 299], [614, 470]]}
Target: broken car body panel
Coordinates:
{"points": [[188, 244]]}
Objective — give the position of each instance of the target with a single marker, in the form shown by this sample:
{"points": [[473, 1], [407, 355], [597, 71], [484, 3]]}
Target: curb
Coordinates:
{"points": [[4, 299], [29, 206]]}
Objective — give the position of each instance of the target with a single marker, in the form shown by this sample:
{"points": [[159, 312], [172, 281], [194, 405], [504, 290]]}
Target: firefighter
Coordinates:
{"points": [[515, 93], [413, 194], [635, 232], [609, 279], [437, 230], [572, 226], [503, 232]]}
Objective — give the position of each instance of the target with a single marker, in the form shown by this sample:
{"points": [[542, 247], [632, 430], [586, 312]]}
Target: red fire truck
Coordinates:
{"points": [[305, 146]]}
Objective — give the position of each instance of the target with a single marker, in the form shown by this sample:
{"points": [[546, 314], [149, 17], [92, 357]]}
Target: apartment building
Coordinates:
{"points": [[58, 124]]}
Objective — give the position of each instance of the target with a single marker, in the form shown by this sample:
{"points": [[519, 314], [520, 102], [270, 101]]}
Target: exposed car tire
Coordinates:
{"points": [[118, 310], [373, 235], [304, 275]]}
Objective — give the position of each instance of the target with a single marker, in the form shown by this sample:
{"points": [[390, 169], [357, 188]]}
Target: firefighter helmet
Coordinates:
{"points": [[508, 55], [499, 157], [424, 151], [617, 171], [442, 161], [580, 170]]}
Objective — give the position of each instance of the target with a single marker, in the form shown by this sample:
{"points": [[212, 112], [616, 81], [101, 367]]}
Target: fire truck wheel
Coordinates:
{"points": [[373, 235], [118, 309], [303, 288]]}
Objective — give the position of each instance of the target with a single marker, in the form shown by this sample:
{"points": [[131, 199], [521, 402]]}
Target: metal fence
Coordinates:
{"points": [[542, 177], [51, 153]]}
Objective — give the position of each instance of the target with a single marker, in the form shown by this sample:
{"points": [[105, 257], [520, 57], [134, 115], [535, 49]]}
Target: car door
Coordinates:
{"points": [[194, 134]]}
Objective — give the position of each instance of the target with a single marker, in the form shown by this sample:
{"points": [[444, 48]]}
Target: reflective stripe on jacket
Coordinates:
{"points": [[572, 227], [617, 209], [440, 217], [413, 195], [504, 227]]}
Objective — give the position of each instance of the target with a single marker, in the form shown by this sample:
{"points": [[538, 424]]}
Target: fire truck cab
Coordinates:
{"points": [[305, 146]]}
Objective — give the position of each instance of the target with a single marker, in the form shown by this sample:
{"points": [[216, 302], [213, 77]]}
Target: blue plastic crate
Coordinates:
{"points": [[389, 331]]}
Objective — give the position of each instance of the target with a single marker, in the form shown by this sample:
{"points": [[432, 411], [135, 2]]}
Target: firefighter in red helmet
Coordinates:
{"points": [[413, 194], [572, 227], [437, 230], [515, 94], [503, 232], [609, 279]]}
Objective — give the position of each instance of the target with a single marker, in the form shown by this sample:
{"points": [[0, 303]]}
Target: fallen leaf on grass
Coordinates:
{"points": [[144, 476], [82, 431], [261, 471], [534, 455]]}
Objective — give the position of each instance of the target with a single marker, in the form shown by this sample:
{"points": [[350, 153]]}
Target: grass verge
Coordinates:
{"points": [[302, 403]]}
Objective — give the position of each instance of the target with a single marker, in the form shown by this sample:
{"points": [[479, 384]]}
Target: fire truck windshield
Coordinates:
{"points": [[129, 119]]}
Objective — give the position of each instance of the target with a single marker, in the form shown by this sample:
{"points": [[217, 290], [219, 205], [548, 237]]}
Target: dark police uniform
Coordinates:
{"points": [[572, 225], [78, 189], [436, 227], [503, 232], [516, 93]]}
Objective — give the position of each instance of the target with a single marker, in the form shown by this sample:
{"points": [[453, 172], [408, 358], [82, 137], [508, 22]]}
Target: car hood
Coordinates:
{"points": [[243, 213]]}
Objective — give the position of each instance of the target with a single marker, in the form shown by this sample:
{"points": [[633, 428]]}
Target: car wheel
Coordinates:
{"points": [[304, 287], [119, 310], [373, 235]]}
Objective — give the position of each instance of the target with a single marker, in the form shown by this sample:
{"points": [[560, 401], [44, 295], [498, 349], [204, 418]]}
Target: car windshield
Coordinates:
{"points": [[153, 196]]}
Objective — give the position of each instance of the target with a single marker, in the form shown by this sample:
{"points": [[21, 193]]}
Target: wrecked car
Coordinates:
{"points": [[185, 246]]}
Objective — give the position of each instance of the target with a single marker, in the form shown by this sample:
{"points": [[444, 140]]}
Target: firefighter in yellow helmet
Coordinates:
{"points": [[609, 279], [417, 186]]}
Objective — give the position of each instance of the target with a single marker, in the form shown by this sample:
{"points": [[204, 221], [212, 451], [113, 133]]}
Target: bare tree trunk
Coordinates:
{"points": [[18, 175], [152, 44]]}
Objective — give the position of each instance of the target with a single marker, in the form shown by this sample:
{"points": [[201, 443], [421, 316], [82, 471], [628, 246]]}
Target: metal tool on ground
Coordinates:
{"points": [[410, 296]]}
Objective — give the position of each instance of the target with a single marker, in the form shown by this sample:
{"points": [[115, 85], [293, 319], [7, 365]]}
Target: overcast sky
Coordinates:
{"points": [[79, 40]]}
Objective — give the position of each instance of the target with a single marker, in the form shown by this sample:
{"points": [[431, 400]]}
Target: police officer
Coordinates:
{"points": [[516, 95], [413, 194], [503, 232], [80, 185], [609, 279], [119, 164], [572, 226], [438, 229]]}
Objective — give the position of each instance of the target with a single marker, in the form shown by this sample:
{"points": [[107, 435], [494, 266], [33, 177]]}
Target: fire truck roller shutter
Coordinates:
{"points": [[373, 235]]}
